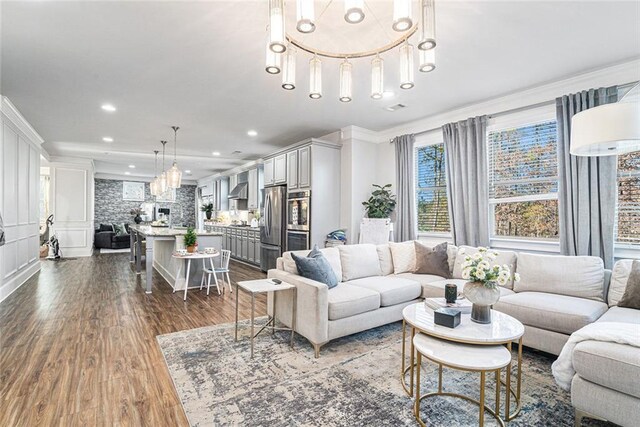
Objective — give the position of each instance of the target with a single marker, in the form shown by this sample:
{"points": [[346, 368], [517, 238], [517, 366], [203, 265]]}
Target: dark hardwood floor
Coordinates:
{"points": [[78, 347]]}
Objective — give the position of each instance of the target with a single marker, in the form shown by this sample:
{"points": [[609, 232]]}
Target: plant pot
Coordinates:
{"points": [[191, 249], [137, 219], [208, 214], [482, 296]]}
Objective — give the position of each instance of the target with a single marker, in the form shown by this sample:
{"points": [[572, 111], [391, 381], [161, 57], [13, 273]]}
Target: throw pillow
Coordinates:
{"points": [[120, 229], [631, 297], [106, 227], [404, 257], [432, 260], [316, 267]]}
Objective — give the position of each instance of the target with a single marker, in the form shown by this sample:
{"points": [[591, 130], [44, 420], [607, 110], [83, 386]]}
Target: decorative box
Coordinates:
{"points": [[448, 317]]}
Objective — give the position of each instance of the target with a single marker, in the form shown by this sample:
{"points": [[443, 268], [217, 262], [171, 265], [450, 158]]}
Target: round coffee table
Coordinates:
{"points": [[503, 330]]}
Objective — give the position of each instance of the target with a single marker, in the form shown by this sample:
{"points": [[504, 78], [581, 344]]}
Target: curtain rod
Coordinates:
{"points": [[517, 109]]}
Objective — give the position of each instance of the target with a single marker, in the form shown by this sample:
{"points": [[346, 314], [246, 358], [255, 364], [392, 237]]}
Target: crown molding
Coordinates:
{"points": [[617, 74], [14, 116]]}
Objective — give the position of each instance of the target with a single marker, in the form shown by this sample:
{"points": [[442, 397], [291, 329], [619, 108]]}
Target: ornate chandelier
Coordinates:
{"points": [[359, 30]]}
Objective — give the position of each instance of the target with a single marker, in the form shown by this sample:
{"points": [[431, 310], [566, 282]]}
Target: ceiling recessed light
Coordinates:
{"points": [[216, 153], [132, 166], [127, 173], [107, 139], [187, 171], [252, 133], [108, 107], [388, 93]]}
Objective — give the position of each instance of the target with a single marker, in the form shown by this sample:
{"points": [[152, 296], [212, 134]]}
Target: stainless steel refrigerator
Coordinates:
{"points": [[272, 233]]}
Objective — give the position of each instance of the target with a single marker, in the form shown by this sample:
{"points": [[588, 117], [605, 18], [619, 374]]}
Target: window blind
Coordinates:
{"points": [[431, 191], [523, 163]]}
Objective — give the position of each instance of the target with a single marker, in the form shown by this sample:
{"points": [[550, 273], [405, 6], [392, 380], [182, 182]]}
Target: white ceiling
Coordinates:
{"points": [[200, 65]]}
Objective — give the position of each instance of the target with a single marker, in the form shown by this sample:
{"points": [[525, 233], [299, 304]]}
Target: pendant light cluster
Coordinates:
{"points": [[171, 178], [281, 48]]}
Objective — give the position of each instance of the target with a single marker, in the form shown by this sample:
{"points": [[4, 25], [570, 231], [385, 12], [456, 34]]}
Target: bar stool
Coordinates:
{"points": [[465, 357]]}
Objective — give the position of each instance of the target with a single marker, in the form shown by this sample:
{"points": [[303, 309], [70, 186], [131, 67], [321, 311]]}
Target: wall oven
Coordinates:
{"points": [[298, 220]]}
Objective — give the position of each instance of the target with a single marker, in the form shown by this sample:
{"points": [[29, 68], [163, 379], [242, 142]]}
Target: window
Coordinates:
{"points": [[431, 190], [523, 180], [628, 223]]}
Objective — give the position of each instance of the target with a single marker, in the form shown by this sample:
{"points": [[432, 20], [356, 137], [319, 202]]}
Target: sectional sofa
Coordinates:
{"points": [[556, 296]]}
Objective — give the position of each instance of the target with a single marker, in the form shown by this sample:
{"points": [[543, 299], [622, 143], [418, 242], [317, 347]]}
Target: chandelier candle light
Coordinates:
{"points": [[174, 175], [319, 35]]}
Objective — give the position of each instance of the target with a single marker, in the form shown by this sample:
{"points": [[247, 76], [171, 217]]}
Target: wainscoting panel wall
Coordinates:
{"points": [[19, 198], [72, 205]]}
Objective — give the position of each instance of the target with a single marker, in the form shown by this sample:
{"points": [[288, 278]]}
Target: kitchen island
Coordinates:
{"points": [[161, 242]]}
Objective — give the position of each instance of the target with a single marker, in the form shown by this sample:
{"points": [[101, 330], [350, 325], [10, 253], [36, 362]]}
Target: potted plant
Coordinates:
{"points": [[136, 212], [207, 208], [190, 239], [381, 203], [482, 288]]}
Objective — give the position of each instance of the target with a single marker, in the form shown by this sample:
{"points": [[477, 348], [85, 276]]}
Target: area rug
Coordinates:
{"points": [[356, 381]]}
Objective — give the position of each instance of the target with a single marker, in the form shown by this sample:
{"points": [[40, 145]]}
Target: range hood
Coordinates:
{"points": [[240, 191]]}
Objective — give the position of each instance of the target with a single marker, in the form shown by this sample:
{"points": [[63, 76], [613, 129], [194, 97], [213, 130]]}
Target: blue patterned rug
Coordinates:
{"points": [[355, 381]]}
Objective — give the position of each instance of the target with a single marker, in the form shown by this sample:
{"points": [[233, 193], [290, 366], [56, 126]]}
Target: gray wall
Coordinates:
{"points": [[110, 208]]}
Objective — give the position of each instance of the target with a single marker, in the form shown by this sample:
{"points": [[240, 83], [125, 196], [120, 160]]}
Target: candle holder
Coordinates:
{"points": [[450, 293]]}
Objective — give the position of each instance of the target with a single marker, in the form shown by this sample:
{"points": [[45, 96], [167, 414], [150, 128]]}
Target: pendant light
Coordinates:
{"points": [[402, 15], [162, 181], [353, 11], [377, 77], [427, 60], [289, 69], [427, 25], [305, 16], [315, 78], [406, 66], [276, 26], [273, 60], [174, 175], [153, 186], [346, 81]]}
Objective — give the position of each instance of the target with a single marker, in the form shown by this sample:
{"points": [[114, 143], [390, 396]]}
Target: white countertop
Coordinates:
{"points": [[147, 230]]}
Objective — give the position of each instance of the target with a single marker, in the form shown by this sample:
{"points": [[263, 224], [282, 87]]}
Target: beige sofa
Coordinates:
{"points": [[606, 381]]}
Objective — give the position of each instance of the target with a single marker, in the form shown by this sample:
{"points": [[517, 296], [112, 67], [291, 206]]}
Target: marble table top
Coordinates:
{"points": [[502, 329], [148, 230], [263, 285]]}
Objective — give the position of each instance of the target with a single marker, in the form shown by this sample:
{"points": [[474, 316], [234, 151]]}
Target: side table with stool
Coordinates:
{"points": [[254, 287]]}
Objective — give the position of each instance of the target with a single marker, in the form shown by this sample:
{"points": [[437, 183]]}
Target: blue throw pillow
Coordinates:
{"points": [[316, 267]]}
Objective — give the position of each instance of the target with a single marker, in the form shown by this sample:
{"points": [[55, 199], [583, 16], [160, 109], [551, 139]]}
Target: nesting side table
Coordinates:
{"points": [[254, 287]]}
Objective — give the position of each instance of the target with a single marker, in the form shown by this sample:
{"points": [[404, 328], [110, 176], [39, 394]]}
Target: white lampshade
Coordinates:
{"points": [[315, 78], [305, 16], [377, 77], [346, 81], [174, 176], [406, 66], [276, 26], [427, 60], [402, 20], [289, 69], [427, 25], [606, 130]]}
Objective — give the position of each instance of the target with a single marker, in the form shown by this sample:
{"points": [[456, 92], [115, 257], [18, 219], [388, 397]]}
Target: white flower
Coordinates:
{"points": [[466, 273], [505, 267], [484, 265], [480, 274], [477, 256], [516, 277], [503, 274], [502, 281], [491, 256]]}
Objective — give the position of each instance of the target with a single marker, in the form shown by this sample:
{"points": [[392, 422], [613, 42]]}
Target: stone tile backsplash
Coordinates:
{"points": [[110, 208]]}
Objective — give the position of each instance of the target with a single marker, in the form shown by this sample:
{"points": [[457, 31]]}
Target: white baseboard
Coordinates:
{"points": [[76, 252], [19, 279]]}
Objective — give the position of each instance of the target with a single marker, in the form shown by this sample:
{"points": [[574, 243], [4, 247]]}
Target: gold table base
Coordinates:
{"points": [[516, 394]]}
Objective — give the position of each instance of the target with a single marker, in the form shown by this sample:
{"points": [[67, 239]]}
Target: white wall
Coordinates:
{"points": [[72, 205], [19, 198]]}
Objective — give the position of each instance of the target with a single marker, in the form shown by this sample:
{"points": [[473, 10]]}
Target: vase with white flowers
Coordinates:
{"points": [[484, 278]]}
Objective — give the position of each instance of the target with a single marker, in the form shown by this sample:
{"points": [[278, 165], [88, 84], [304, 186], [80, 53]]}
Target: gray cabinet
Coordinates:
{"points": [[233, 181], [292, 169], [304, 167], [255, 185], [269, 177], [280, 169], [299, 168]]}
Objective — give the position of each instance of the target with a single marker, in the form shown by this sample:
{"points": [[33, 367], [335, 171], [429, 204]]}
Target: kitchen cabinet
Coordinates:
{"points": [[256, 256], [280, 169], [299, 169], [292, 169], [233, 181], [269, 178], [251, 252], [206, 190], [255, 182]]}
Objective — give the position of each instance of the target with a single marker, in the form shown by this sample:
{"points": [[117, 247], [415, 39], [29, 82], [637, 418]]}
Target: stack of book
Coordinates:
{"points": [[461, 304]]}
